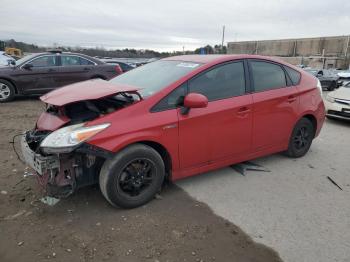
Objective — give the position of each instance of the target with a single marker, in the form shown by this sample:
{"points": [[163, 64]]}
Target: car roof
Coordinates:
{"points": [[213, 59], [98, 61]]}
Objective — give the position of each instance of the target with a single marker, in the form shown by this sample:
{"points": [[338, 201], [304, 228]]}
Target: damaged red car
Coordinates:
{"points": [[168, 120]]}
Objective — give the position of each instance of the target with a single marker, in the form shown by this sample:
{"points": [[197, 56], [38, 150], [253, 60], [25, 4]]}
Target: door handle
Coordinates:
{"points": [[243, 111], [86, 69], [291, 99], [51, 70]]}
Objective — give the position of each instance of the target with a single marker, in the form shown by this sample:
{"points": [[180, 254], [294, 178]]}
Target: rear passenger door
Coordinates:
{"points": [[275, 104], [74, 69]]}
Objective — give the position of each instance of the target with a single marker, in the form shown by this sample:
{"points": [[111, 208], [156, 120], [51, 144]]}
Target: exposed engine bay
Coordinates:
{"points": [[60, 174], [87, 110]]}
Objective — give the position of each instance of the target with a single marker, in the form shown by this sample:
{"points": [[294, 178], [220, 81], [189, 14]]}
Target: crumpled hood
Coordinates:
{"points": [[86, 90]]}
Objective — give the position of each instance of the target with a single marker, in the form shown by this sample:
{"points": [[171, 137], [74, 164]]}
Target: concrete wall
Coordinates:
{"points": [[336, 50]]}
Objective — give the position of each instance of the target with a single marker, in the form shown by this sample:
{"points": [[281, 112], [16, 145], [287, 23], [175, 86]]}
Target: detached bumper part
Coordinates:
{"points": [[39, 163]]}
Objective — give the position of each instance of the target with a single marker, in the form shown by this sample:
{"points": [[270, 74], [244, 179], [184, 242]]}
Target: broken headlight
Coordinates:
{"points": [[65, 139]]}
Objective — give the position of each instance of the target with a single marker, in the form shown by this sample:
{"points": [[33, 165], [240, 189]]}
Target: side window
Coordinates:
{"points": [[84, 61], [44, 61], [124, 67], [172, 100], [267, 76], [69, 60], [293, 74], [221, 82]]}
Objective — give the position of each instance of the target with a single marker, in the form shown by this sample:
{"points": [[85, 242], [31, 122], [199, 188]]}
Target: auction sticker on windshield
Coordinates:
{"points": [[190, 65]]}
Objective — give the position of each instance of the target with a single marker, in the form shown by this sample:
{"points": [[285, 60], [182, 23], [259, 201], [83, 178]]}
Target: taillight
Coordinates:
{"points": [[118, 69]]}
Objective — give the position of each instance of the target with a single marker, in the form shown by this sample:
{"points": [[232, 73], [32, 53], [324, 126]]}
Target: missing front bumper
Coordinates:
{"points": [[61, 174]]}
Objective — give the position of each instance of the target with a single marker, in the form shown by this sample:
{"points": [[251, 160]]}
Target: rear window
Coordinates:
{"points": [[293, 74]]}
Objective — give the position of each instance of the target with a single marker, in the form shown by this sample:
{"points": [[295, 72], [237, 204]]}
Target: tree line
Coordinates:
{"points": [[102, 52]]}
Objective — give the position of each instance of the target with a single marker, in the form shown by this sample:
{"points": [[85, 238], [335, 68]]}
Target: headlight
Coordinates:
{"points": [[329, 98], [65, 139], [319, 86]]}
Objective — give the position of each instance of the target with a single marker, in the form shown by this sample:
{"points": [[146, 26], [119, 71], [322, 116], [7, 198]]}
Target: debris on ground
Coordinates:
{"points": [[158, 197], [20, 243], [51, 201], [245, 166], [3, 192], [27, 174], [334, 183], [18, 214]]}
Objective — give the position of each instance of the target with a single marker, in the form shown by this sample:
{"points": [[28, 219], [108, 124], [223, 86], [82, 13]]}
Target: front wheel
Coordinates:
{"points": [[7, 91], [301, 138], [133, 177]]}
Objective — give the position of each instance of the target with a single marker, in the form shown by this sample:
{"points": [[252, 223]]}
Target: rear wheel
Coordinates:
{"points": [[133, 177], [301, 138], [332, 86], [7, 91]]}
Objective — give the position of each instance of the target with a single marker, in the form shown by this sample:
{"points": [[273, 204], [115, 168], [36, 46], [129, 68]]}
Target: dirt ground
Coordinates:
{"points": [[85, 227]]}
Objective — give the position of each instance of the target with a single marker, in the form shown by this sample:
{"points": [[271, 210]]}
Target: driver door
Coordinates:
{"points": [[223, 129], [41, 77]]}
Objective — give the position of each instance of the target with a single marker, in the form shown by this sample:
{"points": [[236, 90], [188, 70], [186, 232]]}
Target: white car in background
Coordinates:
{"points": [[5, 59], [338, 103]]}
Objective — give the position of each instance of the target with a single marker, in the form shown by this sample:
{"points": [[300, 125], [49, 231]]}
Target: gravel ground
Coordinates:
{"points": [[85, 227], [295, 209]]}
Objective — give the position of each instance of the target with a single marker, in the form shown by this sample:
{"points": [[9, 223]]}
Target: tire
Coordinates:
{"points": [[301, 138], [332, 86], [137, 167], [7, 91]]}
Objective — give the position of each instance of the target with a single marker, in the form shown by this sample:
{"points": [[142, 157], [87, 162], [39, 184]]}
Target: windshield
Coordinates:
{"points": [[25, 59], [154, 76]]}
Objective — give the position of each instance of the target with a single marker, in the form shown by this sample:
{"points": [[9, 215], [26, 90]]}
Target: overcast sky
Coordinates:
{"points": [[168, 25]]}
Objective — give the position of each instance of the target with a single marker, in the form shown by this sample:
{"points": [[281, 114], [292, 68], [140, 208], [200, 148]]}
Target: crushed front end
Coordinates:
{"points": [[57, 149], [61, 174]]}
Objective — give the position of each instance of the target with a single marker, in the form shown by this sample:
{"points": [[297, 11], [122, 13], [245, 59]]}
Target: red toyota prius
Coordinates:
{"points": [[171, 119]]}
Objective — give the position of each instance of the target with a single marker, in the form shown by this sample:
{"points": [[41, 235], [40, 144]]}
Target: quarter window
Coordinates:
{"points": [[221, 82], [172, 100], [43, 61], [293, 74], [267, 76]]}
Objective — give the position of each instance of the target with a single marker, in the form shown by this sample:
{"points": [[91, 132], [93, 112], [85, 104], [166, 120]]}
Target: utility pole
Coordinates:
{"points": [[223, 38], [183, 50]]}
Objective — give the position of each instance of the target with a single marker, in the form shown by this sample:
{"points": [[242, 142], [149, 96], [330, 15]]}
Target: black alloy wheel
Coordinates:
{"points": [[133, 176], [301, 138], [136, 177]]}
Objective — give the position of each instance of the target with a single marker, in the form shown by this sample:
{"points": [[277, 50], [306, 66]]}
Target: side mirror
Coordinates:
{"points": [[27, 66], [194, 100], [12, 62]]}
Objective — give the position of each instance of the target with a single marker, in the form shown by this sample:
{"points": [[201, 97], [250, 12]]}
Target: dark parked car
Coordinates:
{"points": [[123, 65], [328, 79], [43, 72]]}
